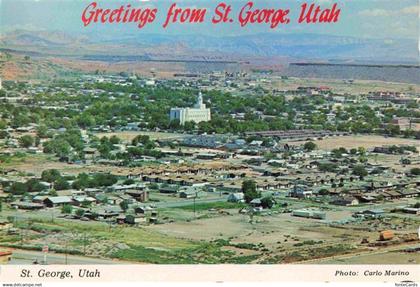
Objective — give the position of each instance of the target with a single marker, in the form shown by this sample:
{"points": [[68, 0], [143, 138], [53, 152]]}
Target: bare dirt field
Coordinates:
{"points": [[366, 141], [130, 135], [148, 69], [35, 164], [340, 86], [270, 230], [279, 237]]}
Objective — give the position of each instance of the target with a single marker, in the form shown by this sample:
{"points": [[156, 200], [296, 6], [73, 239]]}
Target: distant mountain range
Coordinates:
{"points": [[304, 47], [171, 54]]}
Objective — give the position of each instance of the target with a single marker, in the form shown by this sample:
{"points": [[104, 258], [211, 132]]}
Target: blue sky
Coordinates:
{"points": [[360, 18]]}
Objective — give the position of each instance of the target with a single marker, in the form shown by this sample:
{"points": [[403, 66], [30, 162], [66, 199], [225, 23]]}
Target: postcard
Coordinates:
{"points": [[213, 142]]}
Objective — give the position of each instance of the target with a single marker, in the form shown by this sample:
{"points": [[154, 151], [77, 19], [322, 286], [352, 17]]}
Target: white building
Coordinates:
{"points": [[199, 113]]}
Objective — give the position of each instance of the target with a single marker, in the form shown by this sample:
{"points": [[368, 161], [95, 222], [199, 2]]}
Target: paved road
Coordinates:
{"points": [[28, 257]]}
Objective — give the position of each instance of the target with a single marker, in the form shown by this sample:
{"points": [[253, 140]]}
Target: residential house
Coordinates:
{"points": [[236, 197], [54, 201]]}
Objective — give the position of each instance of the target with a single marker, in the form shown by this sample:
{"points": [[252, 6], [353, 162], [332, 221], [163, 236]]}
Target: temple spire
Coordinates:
{"points": [[199, 104]]}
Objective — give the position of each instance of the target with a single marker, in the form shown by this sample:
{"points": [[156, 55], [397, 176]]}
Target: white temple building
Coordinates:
{"points": [[199, 113]]}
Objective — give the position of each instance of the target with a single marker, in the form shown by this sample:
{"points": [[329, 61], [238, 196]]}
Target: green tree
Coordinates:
{"points": [[309, 146], [415, 171], [80, 212], [114, 140], [328, 167], [61, 184], [82, 181], [105, 149], [67, 209], [189, 126], [249, 188], [129, 181], [42, 132], [18, 188], [140, 139], [85, 120], [26, 141], [360, 171], [154, 186], [103, 179], [52, 192], [361, 150], [267, 202], [3, 134], [124, 205], [50, 175], [338, 152], [34, 185], [323, 191], [3, 125], [58, 146], [86, 204]]}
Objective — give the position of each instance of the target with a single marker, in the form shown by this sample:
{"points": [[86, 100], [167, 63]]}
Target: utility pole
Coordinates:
{"points": [[65, 254], [194, 202], [45, 250], [194, 207], [21, 238], [251, 214], [84, 243]]}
